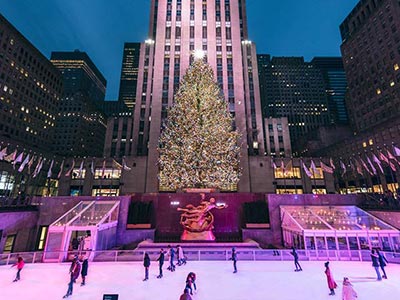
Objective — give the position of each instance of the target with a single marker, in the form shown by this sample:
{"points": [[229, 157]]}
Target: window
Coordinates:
{"points": [[293, 173], [9, 245], [42, 237], [107, 173]]}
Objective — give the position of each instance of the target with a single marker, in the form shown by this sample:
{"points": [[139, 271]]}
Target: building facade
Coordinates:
{"points": [[81, 124], [119, 141], [177, 28], [294, 89], [30, 91], [129, 75], [277, 137], [336, 86]]}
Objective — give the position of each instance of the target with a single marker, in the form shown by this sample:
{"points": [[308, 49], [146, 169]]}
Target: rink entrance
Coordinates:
{"points": [[89, 226]]}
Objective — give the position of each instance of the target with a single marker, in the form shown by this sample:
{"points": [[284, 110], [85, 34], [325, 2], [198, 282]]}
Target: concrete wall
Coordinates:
{"points": [[23, 225]]}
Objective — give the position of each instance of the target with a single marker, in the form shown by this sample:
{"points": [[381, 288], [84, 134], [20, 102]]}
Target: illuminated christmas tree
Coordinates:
{"points": [[198, 147]]}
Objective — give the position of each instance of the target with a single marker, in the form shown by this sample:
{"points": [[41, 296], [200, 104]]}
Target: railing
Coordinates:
{"points": [[205, 255]]}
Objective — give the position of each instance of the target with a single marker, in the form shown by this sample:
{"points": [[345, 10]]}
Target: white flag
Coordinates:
{"points": [[49, 172], [92, 167], [396, 150], [124, 165], [61, 170], [38, 167], [22, 166], [11, 157], [80, 169], [71, 169], [18, 159]]}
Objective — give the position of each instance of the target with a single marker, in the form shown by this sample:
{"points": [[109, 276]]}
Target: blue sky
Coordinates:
{"points": [[100, 27]]}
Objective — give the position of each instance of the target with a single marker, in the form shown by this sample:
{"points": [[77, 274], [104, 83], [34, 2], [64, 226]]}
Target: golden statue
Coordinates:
{"points": [[197, 221]]}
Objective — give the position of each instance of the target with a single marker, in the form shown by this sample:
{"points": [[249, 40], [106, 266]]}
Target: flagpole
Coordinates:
{"points": [[378, 176], [284, 175], [293, 175], [323, 175], [390, 168]]}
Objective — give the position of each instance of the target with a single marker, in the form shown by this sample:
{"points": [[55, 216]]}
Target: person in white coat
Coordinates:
{"points": [[348, 292]]}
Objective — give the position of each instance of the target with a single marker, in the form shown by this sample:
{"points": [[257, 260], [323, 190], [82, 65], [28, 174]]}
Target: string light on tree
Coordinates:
{"points": [[198, 147], [198, 54]]}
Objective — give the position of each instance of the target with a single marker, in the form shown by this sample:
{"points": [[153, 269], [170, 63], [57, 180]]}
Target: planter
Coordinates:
{"points": [[258, 225], [138, 226]]}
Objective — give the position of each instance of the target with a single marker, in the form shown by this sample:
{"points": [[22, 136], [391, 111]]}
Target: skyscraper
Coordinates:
{"points": [[81, 126], [294, 89], [129, 74], [336, 86], [177, 28]]}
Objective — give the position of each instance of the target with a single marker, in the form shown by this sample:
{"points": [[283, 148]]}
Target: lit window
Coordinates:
{"points": [[378, 91], [364, 144], [392, 83], [371, 142], [396, 67]]}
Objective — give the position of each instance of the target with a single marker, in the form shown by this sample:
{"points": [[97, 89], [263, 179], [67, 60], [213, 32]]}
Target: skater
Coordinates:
{"points": [[160, 260], [382, 262], [348, 292], [193, 278], [20, 264], [146, 264], [185, 295], [181, 255], [331, 282], [171, 253], [296, 260], [74, 271], [375, 264], [234, 259], [189, 283], [85, 266]]}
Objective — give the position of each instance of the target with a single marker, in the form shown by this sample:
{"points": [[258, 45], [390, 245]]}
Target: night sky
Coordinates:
{"points": [[100, 27]]}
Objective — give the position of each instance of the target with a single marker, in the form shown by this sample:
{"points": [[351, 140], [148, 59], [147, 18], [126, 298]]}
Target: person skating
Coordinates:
{"points": [[185, 295], [160, 260], [382, 262], [19, 264], [375, 263], [348, 292], [193, 278], [331, 282], [74, 272], [181, 255], [84, 272], [171, 253], [146, 264], [296, 260], [234, 259]]}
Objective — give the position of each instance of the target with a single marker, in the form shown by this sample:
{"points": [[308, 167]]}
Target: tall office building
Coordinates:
{"points": [[294, 89], [177, 28], [129, 74], [30, 91], [336, 86], [371, 55], [81, 124]]}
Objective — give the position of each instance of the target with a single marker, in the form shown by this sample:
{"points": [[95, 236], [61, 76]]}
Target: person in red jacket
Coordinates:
{"points": [[331, 282], [20, 264], [74, 272]]}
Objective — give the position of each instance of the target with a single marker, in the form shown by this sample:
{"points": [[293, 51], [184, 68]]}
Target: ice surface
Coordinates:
{"points": [[255, 280]]}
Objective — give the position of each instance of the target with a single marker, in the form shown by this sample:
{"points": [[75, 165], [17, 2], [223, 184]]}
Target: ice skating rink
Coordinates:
{"points": [[215, 280]]}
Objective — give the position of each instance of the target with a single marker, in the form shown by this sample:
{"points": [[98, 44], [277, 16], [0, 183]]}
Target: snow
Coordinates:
{"points": [[215, 281]]}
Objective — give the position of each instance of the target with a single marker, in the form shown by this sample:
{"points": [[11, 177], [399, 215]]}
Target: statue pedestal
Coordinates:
{"points": [[198, 236]]}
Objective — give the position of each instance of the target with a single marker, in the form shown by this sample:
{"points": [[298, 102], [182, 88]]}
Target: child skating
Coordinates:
{"points": [[20, 265]]}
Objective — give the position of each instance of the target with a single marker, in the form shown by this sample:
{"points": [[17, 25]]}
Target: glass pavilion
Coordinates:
{"points": [[87, 227], [326, 228]]}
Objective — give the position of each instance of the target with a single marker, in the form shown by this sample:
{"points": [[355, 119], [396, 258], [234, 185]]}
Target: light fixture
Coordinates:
{"points": [[198, 54]]}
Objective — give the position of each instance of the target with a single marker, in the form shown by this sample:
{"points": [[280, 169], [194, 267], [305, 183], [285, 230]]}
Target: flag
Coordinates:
{"points": [[372, 165], [273, 164], [366, 167], [22, 166], [81, 168], [314, 168], [378, 162], [306, 170], [124, 165], [343, 166], [332, 164], [61, 170], [38, 167], [11, 157], [392, 166], [288, 168], [326, 168], [3, 153], [282, 166], [383, 157], [392, 157], [358, 167], [30, 163], [18, 159], [71, 169], [92, 167], [49, 173], [396, 150]]}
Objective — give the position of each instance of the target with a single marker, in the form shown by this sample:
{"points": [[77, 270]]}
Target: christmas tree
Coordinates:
{"points": [[198, 147]]}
